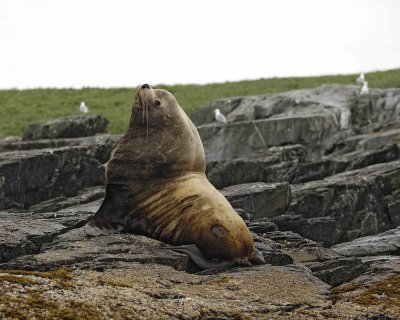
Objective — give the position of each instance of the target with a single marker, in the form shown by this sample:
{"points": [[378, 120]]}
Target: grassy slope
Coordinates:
{"points": [[19, 108]]}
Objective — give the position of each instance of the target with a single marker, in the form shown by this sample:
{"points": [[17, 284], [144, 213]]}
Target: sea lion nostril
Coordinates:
{"points": [[146, 86]]}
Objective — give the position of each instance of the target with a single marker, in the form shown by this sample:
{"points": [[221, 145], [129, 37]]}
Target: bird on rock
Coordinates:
{"points": [[364, 89], [219, 116], [361, 79]]}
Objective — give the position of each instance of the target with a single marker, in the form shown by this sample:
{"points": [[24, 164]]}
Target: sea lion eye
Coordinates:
{"points": [[157, 102]]}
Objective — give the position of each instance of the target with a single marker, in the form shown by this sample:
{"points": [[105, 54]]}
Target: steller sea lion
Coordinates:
{"points": [[156, 186]]}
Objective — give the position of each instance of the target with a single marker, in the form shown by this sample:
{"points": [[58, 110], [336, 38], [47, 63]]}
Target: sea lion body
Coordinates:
{"points": [[156, 186]]}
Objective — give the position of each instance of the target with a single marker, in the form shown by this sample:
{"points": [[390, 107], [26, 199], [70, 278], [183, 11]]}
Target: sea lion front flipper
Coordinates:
{"points": [[197, 257], [110, 218]]}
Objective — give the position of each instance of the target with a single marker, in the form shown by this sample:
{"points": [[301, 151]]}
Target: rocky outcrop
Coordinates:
{"points": [[27, 178], [305, 169], [67, 127], [358, 200]]}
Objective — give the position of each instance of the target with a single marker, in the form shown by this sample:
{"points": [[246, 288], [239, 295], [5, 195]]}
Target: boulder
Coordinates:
{"points": [[271, 165], [106, 141], [259, 199], [385, 243], [321, 229], [357, 200], [29, 177], [316, 131], [67, 127]]}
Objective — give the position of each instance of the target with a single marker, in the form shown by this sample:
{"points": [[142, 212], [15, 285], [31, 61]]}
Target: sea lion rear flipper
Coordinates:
{"points": [[197, 257], [110, 218]]}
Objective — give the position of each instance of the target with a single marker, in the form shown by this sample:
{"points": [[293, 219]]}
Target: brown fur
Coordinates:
{"points": [[158, 173]]}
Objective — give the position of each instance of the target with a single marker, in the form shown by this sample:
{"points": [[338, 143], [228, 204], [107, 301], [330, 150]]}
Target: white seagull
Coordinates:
{"points": [[361, 79], [83, 107], [219, 116], [364, 89]]}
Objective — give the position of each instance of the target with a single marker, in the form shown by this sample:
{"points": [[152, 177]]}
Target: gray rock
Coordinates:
{"points": [[25, 236], [325, 264], [67, 127], [338, 271], [357, 200], [206, 114], [385, 243], [272, 255], [84, 196], [29, 177], [259, 199], [75, 249], [343, 101], [107, 142], [321, 229], [262, 225], [271, 165], [302, 250], [316, 131]]}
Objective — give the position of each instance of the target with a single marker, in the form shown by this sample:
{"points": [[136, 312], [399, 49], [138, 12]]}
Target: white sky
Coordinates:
{"points": [[75, 43]]}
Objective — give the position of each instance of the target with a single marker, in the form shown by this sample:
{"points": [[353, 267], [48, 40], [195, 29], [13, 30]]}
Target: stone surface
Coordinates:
{"points": [[29, 177], [259, 199], [384, 243], [67, 127], [337, 271], [271, 165], [104, 143], [320, 229], [357, 200], [239, 139], [25, 236]]}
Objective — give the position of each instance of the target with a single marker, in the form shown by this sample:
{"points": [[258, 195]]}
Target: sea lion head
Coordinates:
{"points": [[153, 107]]}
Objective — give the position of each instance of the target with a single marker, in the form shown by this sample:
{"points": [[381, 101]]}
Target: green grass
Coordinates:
{"points": [[19, 108]]}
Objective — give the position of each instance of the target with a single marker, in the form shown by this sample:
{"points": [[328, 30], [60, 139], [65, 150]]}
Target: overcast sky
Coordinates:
{"points": [[118, 43]]}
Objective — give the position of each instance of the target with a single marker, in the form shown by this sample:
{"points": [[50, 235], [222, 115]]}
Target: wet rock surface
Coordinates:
{"points": [[314, 173]]}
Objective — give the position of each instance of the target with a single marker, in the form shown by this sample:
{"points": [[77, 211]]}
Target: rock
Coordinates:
{"points": [[235, 140], [10, 139], [25, 236], [148, 291], [343, 101], [273, 256], [29, 177], [107, 142], [384, 243], [383, 264], [300, 249], [75, 249], [67, 127], [325, 264], [321, 229], [56, 204], [338, 271], [271, 165], [206, 115], [262, 225], [259, 199], [365, 142], [357, 200]]}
